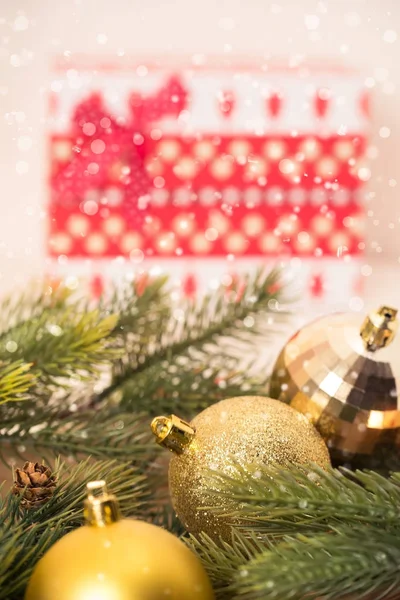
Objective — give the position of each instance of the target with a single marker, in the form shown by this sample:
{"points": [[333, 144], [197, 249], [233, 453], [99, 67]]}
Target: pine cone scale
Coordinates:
{"points": [[22, 478]]}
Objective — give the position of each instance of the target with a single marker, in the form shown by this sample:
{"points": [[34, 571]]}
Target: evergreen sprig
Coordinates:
{"points": [[361, 563], [272, 501], [26, 534], [141, 308], [306, 533], [69, 344], [107, 433], [146, 352], [19, 309], [195, 341], [16, 379], [80, 380], [223, 560], [53, 341]]}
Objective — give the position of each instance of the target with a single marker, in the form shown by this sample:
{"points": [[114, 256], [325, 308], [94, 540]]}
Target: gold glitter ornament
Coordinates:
{"points": [[343, 373], [117, 559], [248, 430]]}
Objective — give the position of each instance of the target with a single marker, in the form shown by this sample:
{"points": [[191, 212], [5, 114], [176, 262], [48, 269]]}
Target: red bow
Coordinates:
{"points": [[109, 151]]}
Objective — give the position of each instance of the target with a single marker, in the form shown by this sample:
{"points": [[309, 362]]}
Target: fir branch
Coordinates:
{"points": [[17, 310], [106, 433], [223, 560], [159, 509], [167, 354], [194, 330], [189, 385], [58, 336], [62, 339], [73, 344], [16, 379], [311, 533], [361, 564], [140, 309], [274, 500], [26, 535]]}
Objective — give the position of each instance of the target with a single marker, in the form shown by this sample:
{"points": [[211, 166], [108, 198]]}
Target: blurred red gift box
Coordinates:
{"points": [[161, 164]]}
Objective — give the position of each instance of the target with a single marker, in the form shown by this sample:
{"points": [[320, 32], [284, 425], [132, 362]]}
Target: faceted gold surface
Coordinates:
{"points": [[249, 430], [349, 394]]}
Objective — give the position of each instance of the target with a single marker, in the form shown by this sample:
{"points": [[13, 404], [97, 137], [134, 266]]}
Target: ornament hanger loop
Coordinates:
{"points": [[96, 488], [101, 508]]}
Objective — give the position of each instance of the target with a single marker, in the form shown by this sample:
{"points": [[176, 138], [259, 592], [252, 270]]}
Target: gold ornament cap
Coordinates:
{"points": [[379, 328], [101, 508], [173, 433]]}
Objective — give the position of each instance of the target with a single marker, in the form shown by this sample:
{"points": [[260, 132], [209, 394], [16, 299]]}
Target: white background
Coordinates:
{"points": [[352, 32]]}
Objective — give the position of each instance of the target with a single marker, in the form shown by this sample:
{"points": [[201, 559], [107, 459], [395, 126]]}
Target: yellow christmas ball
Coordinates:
{"points": [[247, 430], [343, 372], [114, 559]]}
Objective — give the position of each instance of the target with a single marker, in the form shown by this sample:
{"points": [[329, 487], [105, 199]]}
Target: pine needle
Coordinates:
{"points": [[16, 379]]}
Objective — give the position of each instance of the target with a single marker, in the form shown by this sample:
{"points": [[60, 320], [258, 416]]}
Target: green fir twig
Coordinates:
{"points": [[26, 534], [311, 533], [197, 334], [16, 379], [273, 501], [358, 564]]}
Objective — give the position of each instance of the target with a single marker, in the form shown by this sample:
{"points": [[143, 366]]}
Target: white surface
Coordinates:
{"points": [[250, 90]]}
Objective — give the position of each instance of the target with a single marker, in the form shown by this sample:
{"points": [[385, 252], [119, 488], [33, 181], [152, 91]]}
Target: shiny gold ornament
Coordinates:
{"points": [[248, 430], [343, 373], [114, 559]]}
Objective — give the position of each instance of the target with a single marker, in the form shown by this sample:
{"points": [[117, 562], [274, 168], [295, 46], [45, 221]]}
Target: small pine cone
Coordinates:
{"points": [[35, 483]]}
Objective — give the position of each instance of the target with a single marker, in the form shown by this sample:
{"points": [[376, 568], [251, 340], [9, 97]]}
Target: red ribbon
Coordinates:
{"points": [[108, 151]]}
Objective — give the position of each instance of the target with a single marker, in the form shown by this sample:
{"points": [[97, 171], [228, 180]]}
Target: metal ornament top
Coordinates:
{"points": [[379, 328], [173, 433], [101, 508]]}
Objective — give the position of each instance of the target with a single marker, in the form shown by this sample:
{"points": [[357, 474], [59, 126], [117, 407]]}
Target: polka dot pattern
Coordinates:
{"points": [[209, 196], [222, 168], [169, 150], [78, 225], [60, 243], [253, 225], [96, 243], [212, 161], [165, 242], [130, 241], [212, 230], [204, 150], [256, 167], [185, 168], [242, 160], [199, 244], [114, 226], [235, 242]]}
